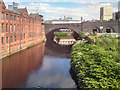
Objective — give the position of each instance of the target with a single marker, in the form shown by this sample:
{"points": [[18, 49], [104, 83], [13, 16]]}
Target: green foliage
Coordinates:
{"points": [[47, 22], [60, 34], [58, 39], [43, 40], [93, 37], [81, 34], [116, 37], [96, 65], [110, 44]]}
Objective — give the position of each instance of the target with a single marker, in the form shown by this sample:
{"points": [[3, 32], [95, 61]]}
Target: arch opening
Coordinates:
{"points": [[95, 30], [108, 30], [71, 38]]}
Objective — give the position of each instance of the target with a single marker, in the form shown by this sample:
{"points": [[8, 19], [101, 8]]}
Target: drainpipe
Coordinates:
{"points": [[28, 29], [9, 33], [0, 24], [81, 23], [33, 30], [20, 32]]}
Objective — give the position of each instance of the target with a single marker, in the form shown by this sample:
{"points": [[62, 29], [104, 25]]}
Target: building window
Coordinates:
{"points": [[2, 15], [6, 39], [2, 41], [10, 28], [2, 27], [21, 37], [21, 19], [18, 18], [24, 35], [11, 17], [14, 17], [15, 38], [6, 27], [6, 16], [14, 28], [11, 39]]}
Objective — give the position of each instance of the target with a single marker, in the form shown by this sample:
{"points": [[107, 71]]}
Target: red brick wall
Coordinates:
{"points": [[30, 28]]}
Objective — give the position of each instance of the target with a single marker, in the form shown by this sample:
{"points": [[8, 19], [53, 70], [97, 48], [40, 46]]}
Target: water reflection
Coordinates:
{"points": [[53, 74], [16, 69], [32, 68], [55, 49]]}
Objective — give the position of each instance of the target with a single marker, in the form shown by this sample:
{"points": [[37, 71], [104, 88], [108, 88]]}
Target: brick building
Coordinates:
{"points": [[18, 29]]}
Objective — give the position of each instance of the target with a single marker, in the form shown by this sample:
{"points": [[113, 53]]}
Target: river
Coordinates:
{"points": [[42, 66]]}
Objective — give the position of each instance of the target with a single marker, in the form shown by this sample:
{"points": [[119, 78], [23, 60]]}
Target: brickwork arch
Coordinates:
{"points": [[108, 29], [50, 34], [95, 30]]}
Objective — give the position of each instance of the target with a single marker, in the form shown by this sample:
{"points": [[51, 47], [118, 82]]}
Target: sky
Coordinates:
{"points": [[55, 9]]}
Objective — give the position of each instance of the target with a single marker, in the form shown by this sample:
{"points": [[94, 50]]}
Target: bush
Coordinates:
{"points": [[60, 34], [81, 35], [95, 66]]}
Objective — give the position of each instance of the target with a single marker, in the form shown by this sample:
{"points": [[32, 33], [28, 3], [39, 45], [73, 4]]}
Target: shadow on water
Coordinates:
{"points": [[74, 76], [57, 50], [16, 68]]}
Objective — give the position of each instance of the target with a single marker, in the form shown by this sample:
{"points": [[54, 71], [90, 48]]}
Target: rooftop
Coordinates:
{"points": [[21, 10], [33, 15], [13, 11]]}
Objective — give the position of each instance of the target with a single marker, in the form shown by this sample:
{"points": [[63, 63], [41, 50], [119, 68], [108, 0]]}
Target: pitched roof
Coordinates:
{"points": [[21, 10], [2, 3], [1, 0], [12, 11], [33, 15]]}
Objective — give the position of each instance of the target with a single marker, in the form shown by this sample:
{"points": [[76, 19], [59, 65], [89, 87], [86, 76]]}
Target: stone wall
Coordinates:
{"points": [[85, 26]]}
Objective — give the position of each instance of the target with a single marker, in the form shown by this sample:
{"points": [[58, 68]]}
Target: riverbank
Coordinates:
{"points": [[96, 65], [6, 54]]}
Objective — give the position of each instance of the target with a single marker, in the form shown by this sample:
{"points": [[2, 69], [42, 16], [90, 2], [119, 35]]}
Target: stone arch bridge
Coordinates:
{"points": [[99, 27]]}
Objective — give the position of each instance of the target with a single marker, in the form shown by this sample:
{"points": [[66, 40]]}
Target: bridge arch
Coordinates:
{"points": [[74, 27], [95, 29], [108, 29], [50, 34]]}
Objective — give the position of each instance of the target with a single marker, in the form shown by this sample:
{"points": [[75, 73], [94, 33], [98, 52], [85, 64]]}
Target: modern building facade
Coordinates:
{"points": [[106, 13], [18, 29], [13, 7], [117, 15]]}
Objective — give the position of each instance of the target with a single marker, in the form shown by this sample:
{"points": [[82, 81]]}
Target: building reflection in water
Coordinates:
{"points": [[16, 68]]}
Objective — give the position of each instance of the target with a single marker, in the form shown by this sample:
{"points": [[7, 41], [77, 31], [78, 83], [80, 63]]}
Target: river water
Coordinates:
{"points": [[42, 66]]}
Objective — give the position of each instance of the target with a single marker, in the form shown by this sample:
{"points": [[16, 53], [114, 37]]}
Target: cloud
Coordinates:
{"points": [[89, 11], [88, 2], [82, 1], [51, 12]]}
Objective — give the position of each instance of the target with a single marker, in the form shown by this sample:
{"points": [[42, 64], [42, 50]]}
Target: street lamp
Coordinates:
{"points": [[101, 29]]}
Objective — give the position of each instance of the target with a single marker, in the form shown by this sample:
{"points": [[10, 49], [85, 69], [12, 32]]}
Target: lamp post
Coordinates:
{"points": [[101, 29]]}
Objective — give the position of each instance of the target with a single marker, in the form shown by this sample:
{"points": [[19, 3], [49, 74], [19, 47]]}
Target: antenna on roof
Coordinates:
{"points": [[38, 7]]}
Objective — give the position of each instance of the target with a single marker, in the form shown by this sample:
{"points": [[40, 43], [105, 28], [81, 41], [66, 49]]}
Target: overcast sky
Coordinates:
{"points": [[55, 9]]}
